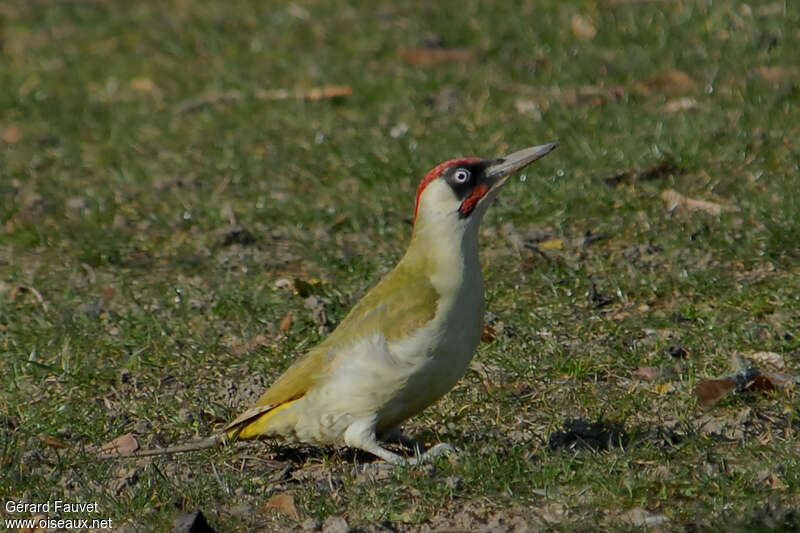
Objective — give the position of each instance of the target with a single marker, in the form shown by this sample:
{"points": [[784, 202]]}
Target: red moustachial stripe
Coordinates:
{"points": [[435, 172], [469, 203]]}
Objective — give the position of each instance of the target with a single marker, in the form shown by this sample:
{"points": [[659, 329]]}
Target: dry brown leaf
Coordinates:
{"points": [[675, 199], [680, 104], [329, 91], [123, 444], [426, 57], [283, 503], [286, 323], [711, 391], [52, 441], [258, 340], [663, 388], [582, 27], [143, 84], [551, 244], [671, 82], [11, 135], [647, 373], [777, 74]]}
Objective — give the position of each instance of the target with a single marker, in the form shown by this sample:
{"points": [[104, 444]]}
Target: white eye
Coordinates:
{"points": [[461, 175]]}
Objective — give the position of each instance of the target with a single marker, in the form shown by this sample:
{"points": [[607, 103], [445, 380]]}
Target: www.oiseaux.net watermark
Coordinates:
{"points": [[55, 514]]}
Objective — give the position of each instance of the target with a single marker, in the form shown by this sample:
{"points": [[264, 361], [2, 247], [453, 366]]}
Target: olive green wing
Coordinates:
{"points": [[397, 305]]}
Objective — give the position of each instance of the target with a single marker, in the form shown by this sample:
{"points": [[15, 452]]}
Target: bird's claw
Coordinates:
{"points": [[442, 449]]}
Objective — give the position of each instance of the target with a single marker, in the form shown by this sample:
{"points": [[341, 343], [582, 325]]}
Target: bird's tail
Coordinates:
{"points": [[254, 422]]}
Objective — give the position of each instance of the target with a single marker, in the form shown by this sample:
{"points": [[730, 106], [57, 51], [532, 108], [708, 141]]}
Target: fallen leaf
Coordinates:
{"points": [[648, 373], [426, 57], [672, 81], [121, 445], [286, 323], [674, 200], [143, 84], [551, 244], [284, 504], [680, 104], [776, 74], [767, 358], [711, 391], [52, 441], [329, 91], [582, 27], [11, 135], [258, 340], [663, 388]]}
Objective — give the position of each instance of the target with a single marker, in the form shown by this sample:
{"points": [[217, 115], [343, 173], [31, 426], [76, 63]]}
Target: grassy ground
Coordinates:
{"points": [[155, 187]]}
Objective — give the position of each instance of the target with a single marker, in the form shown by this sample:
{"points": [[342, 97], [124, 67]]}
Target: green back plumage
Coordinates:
{"points": [[402, 301]]}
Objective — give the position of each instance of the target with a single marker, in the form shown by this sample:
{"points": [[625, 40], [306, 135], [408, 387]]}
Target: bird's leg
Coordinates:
{"points": [[361, 435]]}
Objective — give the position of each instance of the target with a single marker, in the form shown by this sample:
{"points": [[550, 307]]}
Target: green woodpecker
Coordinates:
{"points": [[408, 340]]}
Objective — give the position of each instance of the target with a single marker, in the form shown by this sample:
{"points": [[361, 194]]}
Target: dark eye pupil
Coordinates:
{"points": [[461, 175]]}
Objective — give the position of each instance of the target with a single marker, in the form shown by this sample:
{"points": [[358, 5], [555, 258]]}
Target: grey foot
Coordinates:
{"points": [[442, 449]]}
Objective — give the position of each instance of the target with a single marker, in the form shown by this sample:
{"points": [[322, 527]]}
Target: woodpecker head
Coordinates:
{"points": [[462, 189]]}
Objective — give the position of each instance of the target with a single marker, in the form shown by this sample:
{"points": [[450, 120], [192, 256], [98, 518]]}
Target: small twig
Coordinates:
{"points": [[200, 102], [192, 446]]}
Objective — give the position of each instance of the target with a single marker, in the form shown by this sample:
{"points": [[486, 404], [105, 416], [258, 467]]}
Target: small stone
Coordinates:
{"points": [[243, 511], [310, 524], [335, 524]]}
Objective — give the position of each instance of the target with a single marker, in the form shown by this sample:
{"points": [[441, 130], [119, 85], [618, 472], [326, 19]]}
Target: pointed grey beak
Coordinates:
{"points": [[505, 166]]}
